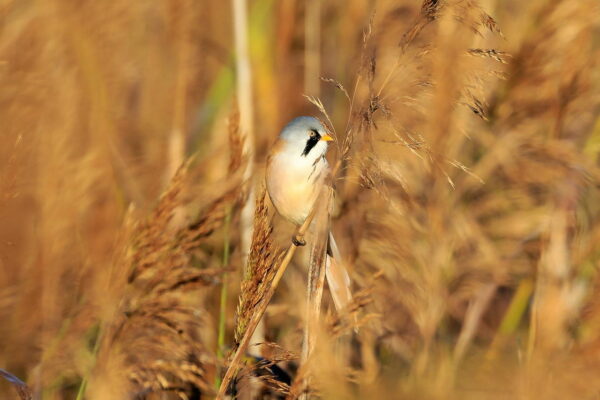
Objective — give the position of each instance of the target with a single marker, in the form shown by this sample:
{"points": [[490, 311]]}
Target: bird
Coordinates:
{"points": [[296, 171]]}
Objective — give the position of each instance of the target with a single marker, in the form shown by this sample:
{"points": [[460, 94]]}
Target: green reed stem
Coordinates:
{"points": [[84, 379]]}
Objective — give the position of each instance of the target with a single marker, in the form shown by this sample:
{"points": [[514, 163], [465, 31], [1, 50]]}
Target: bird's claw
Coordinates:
{"points": [[298, 240]]}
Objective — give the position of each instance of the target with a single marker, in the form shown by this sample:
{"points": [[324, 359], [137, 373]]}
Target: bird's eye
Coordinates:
{"points": [[313, 134]]}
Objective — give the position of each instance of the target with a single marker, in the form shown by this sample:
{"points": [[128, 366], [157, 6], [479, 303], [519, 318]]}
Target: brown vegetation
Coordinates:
{"points": [[467, 201]]}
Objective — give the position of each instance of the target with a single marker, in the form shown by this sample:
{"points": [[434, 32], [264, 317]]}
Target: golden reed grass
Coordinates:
{"points": [[466, 200]]}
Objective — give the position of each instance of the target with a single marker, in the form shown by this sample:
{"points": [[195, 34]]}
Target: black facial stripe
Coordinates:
{"points": [[311, 142]]}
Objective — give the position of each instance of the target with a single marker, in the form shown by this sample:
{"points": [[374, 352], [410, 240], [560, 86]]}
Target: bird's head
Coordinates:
{"points": [[307, 136]]}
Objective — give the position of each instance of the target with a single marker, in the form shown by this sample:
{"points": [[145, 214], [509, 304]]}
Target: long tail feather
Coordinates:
{"points": [[337, 276]]}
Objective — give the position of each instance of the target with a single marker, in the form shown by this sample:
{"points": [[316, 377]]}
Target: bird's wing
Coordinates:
{"points": [[325, 249], [318, 251], [335, 269], [337, 276]]}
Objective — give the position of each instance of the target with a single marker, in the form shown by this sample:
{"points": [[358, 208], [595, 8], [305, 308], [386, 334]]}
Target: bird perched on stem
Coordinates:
{"points": [[296, 173]]}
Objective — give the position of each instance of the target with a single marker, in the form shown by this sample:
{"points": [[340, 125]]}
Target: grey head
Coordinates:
{"points": [[307, 136]]}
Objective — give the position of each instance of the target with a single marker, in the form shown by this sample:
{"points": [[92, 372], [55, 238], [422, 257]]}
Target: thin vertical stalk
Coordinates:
{"points": [[312, 47], [84, 379], [477, 307], [243, 79], [244, 99], [223, 301], [316, 281], [177, 137]]}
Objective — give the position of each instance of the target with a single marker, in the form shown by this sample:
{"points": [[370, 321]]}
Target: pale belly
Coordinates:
{"points": [[294, 190]]}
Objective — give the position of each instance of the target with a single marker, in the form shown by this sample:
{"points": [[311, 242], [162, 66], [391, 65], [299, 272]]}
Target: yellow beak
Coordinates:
{"points": [[327, 138]]}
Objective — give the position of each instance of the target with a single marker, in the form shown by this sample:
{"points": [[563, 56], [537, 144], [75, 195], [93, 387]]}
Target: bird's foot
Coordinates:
{"points": [[298, 240]]}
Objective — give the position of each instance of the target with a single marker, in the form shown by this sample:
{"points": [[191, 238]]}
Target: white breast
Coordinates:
{"points": [[293, 183]]}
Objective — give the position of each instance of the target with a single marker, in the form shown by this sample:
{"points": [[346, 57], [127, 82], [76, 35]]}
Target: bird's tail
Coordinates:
{"points": [[337, 276]]}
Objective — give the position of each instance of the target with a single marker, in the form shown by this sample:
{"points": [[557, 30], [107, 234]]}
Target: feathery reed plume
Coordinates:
{"points": [[429, 12], [375, 168], [236, 142], [156, 332], [263, 261]]}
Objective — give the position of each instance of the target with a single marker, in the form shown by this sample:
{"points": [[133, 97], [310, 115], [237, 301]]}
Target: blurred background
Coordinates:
{"points": [[468, 206]]}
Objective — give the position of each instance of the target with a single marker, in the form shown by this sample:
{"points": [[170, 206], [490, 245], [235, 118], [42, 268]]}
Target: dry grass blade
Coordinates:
{"points": [[337, 85], [494, 54], [472, 319], [429, 12], [319, 104], [491, 24]]}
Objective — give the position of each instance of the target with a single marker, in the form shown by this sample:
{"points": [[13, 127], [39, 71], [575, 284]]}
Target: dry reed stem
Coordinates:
{"points": [[316, 275], [244, 90], [312, 47], [472, 319], [178, 131]]}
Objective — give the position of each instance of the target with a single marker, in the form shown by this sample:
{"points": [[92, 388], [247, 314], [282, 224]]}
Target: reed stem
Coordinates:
{"points": [[223, 301]]}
